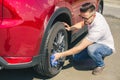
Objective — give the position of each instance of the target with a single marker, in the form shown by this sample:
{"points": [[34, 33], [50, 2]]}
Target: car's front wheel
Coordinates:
{"points": [[56, 41]]}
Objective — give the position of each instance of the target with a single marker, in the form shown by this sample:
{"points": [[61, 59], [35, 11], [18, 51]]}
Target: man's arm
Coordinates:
{"points": [[85, 42], [77, 26]]}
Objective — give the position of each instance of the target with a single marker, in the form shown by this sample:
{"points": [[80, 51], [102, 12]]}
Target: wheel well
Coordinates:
{"points": [[63, 18]]}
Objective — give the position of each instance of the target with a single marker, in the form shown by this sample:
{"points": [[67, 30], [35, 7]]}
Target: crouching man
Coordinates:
{"points": [[97, 44]]}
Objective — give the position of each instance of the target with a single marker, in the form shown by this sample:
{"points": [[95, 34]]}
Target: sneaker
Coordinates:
{"points": [[98, 70]]}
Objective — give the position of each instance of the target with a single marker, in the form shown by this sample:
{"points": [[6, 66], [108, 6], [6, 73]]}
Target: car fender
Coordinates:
{"points": [[52, 20]]}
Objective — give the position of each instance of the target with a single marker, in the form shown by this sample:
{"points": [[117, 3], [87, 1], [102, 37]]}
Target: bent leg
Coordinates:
{"points": [[97, 52]]}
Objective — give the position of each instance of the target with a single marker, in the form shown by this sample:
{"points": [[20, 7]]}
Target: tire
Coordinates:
{"points": [[57, 40]]}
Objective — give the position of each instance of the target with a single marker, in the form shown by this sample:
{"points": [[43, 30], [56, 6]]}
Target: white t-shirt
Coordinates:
{"points": [[99, 32]]}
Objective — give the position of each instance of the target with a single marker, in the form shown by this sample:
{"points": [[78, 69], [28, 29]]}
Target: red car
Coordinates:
{"points": [[30, 30]]}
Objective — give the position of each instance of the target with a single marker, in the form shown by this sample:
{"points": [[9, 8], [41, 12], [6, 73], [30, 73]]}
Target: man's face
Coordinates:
{"points": [[88, 17]]}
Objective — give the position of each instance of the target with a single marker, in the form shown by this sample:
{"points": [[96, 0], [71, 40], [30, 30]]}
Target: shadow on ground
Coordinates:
{"points": [[20, 74], [83, 65], [29, 74]]}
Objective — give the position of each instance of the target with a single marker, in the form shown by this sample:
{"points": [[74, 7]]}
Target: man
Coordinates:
{"points": [[97, 44]]}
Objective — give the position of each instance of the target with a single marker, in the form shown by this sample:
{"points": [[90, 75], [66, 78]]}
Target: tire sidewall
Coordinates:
{"points": [[44, 66]]}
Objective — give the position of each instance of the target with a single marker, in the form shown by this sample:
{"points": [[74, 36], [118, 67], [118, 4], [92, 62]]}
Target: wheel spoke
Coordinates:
{"points": [[59, 43]]}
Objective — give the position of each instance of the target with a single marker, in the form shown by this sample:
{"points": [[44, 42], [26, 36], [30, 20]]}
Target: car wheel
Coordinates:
{"points": [[56, 42]]}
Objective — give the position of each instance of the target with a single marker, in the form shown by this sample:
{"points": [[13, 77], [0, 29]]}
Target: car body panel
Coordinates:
{"points": [[22, 36]]}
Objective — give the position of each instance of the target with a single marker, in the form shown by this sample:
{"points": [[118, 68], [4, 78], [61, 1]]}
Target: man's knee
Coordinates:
{"points": [[92, 49]]}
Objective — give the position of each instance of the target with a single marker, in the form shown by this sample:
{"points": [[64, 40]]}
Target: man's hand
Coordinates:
{"points": [[67, 27], [57, 56]]}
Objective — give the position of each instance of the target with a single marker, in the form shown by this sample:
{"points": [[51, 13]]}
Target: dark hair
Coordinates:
{"points": [[87, 7]]}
